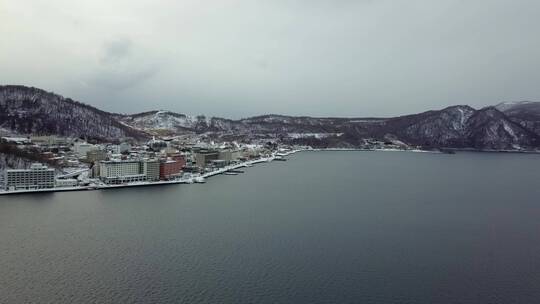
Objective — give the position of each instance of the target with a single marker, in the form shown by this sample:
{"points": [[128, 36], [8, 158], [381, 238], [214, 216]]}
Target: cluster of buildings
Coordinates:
{"points": [[117, 171], [120, 171], [78, 162]]}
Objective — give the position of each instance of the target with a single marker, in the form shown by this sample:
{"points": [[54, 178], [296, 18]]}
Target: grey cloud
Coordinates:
{"points": [[118, 79], [122, 65], [238, 58], [115, 50]]}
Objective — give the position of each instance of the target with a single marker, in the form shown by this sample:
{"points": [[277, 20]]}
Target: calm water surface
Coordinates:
{"points": [[324, 227]]}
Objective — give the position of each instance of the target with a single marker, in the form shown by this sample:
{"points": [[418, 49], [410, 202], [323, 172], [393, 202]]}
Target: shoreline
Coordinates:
{"points": [[191, 180], [247, 164], [441, 151]]}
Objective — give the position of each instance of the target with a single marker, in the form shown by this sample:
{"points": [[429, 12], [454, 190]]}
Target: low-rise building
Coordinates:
{"points": [[66, 182], [121, 148], [81, 148], [219, 163], [38, 176], [170, 150], [49, 140], [96, 155], [17, 140]]}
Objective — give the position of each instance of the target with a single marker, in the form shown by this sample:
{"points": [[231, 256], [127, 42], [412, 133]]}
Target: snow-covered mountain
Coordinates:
{"points": [[526, 113], [27, 110], [461, 127], [174, 123], [506, 126], [513, 106], [453, 127]]}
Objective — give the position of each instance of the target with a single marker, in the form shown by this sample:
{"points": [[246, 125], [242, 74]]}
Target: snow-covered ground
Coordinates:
{"points": [[312, 135], [504, 106], [190, 180]]}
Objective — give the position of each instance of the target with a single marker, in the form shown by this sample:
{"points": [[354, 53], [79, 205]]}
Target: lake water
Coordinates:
{"points": [[323, 227]]}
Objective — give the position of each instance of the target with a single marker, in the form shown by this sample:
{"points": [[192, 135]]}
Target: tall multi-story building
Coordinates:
{"points": [[203, 157], [124, 171], [37, 177], [121, 171], [229, 155], [151, 169], [171, 168]]}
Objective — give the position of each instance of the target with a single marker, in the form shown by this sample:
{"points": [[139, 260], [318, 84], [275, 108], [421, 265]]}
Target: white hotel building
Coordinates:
{"points": [[37, 177], [125, 171]]}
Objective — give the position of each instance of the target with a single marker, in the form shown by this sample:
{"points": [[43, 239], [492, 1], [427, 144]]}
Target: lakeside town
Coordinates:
{"points": [[71, 164], [74, 164]]}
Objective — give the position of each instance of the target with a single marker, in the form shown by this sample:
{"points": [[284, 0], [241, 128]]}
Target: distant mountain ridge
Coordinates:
{"points": [[28, 110], [462, 127], [506, 126], [453, 127], [526, 113]]}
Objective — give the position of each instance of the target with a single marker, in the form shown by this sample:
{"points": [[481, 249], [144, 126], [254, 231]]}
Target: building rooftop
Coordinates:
{"points": [[33, 167]]}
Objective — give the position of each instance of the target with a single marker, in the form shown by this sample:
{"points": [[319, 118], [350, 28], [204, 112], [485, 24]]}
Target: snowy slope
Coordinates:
{"points": [[26, 110]]}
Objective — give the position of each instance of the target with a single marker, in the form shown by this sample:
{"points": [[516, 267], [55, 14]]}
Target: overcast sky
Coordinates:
{"points": [[236, 58]]}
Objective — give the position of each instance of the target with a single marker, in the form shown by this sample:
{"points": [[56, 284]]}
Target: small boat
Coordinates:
{"points": [[198, 179], [230, 173]]}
